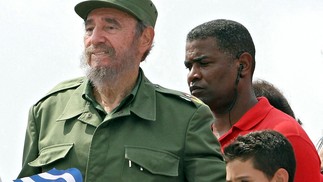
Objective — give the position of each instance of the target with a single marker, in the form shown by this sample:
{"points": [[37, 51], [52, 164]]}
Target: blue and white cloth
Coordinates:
{"points": [[68, 175]]}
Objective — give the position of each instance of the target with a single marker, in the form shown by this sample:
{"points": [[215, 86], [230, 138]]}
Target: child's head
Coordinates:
{"points": [[260, 156]]}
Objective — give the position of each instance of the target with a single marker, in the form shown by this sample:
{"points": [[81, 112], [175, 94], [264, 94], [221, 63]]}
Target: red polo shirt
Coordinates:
{"points": [[264, 116]]}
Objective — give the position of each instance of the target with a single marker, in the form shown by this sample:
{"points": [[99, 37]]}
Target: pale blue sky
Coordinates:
{"points": [[41, 43]]}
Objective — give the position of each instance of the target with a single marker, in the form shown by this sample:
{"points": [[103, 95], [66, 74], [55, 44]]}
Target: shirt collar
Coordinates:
{"points": [[144, 101], [88, 95], [254, 115], [141, 101]]}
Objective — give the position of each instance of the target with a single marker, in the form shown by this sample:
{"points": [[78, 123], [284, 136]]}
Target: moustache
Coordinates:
{"points": [[98, 49]]}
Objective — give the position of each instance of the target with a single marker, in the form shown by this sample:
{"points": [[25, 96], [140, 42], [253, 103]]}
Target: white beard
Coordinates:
{"points": [[109, 76]]}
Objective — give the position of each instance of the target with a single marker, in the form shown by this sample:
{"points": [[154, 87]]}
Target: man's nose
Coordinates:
{"points": [[194, 74], [97, 36]]}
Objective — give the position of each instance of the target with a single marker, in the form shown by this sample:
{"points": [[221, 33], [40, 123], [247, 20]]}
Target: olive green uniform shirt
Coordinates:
{"points": [[155, 134]]}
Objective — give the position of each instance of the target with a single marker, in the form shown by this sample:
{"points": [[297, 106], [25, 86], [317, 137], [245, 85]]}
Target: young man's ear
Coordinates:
{"points": [[281, 175]]}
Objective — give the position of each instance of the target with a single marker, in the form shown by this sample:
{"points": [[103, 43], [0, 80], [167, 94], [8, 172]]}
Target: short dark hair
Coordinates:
{"points": [[274, 96], [267, 149], [231, 37]]}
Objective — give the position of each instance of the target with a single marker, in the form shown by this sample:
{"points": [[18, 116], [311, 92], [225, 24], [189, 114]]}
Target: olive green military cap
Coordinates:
{"points": [[144, 10]]}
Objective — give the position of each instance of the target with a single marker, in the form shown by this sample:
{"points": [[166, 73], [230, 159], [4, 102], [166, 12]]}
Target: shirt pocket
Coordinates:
{"points": [[51, 154], [150, 164]]}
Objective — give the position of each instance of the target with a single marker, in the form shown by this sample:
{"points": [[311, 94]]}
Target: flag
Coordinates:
{"points": [[68, 175]]}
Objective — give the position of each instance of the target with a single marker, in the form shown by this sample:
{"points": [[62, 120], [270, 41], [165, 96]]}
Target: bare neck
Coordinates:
{"points": [[224, 121]]}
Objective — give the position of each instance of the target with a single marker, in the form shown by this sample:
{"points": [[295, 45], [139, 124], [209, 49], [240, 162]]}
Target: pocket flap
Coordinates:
{"points": [[50, 154], [154, 160]]}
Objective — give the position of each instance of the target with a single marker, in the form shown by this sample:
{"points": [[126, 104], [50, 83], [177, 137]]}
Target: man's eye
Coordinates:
{"points": [[89, 30], [188, 66], [111, 29], [203, 64], [244, 180]]}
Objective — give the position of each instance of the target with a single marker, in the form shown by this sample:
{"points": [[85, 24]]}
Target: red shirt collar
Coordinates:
{"points": [[251, 118]]}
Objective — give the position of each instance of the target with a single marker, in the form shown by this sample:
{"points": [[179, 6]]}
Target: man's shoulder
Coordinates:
{"points": [[176, 94], [283, 123], [172, 93], [70, 84], [67, 84]]}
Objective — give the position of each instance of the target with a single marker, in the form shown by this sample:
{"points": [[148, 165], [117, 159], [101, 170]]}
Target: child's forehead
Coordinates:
{"points": [[238, 170]]}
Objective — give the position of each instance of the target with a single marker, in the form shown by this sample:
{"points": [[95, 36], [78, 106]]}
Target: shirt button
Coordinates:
{"points": [[89, 115], [119, 113]]}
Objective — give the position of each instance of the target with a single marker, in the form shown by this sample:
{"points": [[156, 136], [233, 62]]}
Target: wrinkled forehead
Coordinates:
{"points": [[198, 47]]}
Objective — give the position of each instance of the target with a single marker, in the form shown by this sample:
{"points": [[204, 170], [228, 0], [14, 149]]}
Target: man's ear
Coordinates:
{"points": [[281, 175], [146, 39], [245, 60]]}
